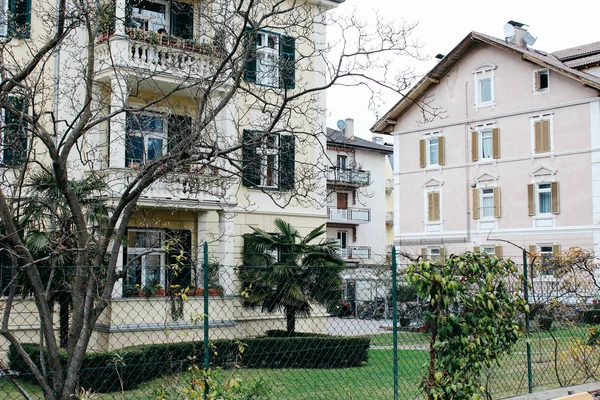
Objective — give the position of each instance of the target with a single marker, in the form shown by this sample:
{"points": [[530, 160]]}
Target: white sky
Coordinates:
{"points": [[444, 23]]}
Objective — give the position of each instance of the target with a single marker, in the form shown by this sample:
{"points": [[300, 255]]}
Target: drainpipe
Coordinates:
{"points": [[56, 79], [467, 168]]}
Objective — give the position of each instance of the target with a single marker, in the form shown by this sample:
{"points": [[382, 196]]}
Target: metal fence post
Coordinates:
{"points": [[205, 293], [395, 319], [526, 293]]}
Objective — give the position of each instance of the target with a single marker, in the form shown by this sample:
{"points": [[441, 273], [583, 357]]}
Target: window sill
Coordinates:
{"points": [[542, 155], [544, 220], [491, 104], [543, 91], [266, 188]]}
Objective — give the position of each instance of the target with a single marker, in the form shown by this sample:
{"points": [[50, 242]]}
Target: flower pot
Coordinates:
{"points": [[422, 329], [214, 292], [160, 292]]}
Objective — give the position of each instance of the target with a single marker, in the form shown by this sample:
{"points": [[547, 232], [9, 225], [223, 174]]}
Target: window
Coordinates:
{"points": [[147, 262], [491, 250], [543, 198], [433, 207], [484, 85], [15, 18], [542, 134], [546, 253], [342, 162], [268, 160], [486, 203], [541, 81], [272, 59], [342, 238], [433, 253], [432, 150], [485, 143], [14, 136], [174, 18]]}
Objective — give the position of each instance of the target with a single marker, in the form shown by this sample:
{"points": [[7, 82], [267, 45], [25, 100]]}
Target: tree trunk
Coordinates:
{"points": [[290, 315], [63, 312]]}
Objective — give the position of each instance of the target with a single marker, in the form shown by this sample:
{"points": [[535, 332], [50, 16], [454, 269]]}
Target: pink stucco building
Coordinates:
{"points": [[510, 153]]}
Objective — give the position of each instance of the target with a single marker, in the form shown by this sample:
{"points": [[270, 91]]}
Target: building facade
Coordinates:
{"points": [[503, 155]]}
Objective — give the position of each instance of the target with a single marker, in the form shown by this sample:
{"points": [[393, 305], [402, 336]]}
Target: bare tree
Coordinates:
{"points": [[233, 80]]}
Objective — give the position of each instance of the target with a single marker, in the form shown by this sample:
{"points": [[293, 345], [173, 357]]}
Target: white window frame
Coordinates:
{"points": [[145, 252], [538, 191], [428, 137], [544, 90], [264, 151], [537, 118], [434, 253], [490, 250], [483, 196], [344, 251], [542, 252], [149, 20], [480, 73], [268, 75], [146, 135]]}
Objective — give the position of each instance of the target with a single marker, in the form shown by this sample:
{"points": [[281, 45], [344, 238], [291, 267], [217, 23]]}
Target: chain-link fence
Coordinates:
{"points": [[317, 332]]}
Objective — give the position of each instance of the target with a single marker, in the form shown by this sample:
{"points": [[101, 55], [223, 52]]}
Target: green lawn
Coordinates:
{"points": [[375, 379]]}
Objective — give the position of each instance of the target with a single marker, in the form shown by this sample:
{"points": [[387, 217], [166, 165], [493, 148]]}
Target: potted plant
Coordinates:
{"points": [[131, 291], [214, 289], [150, 290]]}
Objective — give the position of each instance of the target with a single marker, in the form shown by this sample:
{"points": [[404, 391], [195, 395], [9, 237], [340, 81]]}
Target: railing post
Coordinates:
{"points": [[395, 319], [206, 346], [526, 295]]}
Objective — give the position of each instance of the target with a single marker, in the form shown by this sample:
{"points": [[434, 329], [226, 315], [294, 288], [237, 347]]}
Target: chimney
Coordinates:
{"points": [[349, 131], [520, 32]]}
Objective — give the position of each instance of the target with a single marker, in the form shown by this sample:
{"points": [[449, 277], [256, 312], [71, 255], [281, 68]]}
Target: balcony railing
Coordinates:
{"points": [[156, 54], [349, 176], [355, 253], [354, 215]]}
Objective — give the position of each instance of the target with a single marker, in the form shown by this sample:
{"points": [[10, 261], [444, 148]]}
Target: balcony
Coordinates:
{"points": [[356, 253], [151, 54], [177, 189], [348, 177], [348, 215]]}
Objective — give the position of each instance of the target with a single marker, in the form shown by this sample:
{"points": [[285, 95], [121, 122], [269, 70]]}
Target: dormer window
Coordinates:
{"points": [[484, 85]]}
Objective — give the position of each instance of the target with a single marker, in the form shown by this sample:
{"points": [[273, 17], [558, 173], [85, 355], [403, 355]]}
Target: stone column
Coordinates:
{"points": [[226, 252]]}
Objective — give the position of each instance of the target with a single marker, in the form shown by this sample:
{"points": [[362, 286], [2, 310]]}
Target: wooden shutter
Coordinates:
{"points": [[441, 150], [287, 157], [424, 252], [250, 46], [536, 77], [433, 206], [430, 210], [531, 199], [555, 195], [476, 206], [250, 159], [288, 62], [15, 135], [498, 251], [422, 156], [496, 143], [497, 210], [531, 255], [442, 253], [476, 249], [537, 127], [19, 22], [545, 136], [556, 250], [182, 20], [474, 146]]}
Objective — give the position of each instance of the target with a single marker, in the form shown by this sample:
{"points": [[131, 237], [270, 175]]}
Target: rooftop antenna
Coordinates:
{"points": [[509, 32]]}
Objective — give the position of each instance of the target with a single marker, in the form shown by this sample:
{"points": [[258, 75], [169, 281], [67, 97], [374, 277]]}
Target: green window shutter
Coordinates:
{"points": [[288, 61], [250, 159], [19, 21], [179, 271], [14, 136], [287, 157], [250, 42], [182, 20], [128, 13]]}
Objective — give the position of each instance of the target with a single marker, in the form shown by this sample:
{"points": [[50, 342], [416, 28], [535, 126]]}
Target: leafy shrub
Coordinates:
{"points": [[590, 316], [138, 364]]}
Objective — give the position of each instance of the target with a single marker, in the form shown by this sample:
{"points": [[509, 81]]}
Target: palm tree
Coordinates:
{"points": [[50, 234], [285, 271]]}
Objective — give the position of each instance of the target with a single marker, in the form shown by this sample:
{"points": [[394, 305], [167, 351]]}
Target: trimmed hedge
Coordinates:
{"points": [[138, 364], [282, 333]]}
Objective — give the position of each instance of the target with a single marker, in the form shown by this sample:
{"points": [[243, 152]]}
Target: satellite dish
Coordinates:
{"points": [[509, 30], [341, 124], [530, 40]]}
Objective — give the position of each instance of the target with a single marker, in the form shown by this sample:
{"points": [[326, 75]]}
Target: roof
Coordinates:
{"points": [[338, 137], [577, 52], [546, 60]]}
